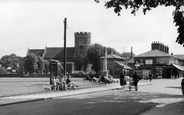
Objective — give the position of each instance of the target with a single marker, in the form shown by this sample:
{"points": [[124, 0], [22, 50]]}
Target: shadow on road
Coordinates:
{"points": [[176, 87]]}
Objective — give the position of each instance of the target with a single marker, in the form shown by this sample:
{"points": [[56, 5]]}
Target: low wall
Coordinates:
{"points": [[39, 75], [9, 75], [30, 75]]}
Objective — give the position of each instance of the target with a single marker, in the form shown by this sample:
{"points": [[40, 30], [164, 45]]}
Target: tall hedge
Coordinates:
{"points": [[31, 63]]}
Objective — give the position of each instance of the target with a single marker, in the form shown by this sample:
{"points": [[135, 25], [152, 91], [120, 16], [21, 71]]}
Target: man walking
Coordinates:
{"points": [[135, 80], [150, 76]]}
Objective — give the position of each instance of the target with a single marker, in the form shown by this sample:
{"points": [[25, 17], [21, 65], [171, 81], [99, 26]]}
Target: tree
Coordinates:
{"points": [[46, 66], [112, 51], [2, 70], [6, 61], [94, 52], [147, 5], [21, 66], [80, 62], [59, 69], [31, 63], [11, 60], [41, 64]]}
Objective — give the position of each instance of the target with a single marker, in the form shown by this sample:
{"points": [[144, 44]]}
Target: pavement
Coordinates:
{"points": [[164, 110]]}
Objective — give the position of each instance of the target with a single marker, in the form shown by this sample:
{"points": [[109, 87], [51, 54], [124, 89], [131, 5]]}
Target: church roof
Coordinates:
{"points": [[58, 52], [53, 52], [38, 52], [154, 53]]}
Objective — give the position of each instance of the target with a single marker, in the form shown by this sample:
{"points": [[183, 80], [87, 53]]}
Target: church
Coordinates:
{"points": [[82, 43]]}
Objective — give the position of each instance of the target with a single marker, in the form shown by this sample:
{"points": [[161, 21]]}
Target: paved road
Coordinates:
{"points": [[167, 86], [172, 103], [111, 102]]}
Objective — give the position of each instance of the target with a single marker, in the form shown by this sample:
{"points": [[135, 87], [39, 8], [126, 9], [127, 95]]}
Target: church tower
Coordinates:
{"points": [[82, 43]]}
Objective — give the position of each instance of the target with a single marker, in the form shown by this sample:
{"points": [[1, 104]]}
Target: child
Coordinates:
{"points": [[53, 83]]}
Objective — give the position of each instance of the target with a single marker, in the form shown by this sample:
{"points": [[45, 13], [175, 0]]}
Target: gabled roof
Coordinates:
{"points": [[123, 65], [154, 53], [113, 56], [58, 52], [178, 66], [180, 56], [38, 52], [131, 61]]}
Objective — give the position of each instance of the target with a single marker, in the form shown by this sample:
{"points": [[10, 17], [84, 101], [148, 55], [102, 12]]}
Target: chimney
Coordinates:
{"points": [[155, 45], [131, 55], [165, 48], [161, 47]]}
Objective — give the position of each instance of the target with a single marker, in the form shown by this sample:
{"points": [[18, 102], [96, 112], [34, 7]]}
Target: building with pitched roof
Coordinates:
{"points": [[115, 64], [159, 62], [82, 43], [180, 56]]}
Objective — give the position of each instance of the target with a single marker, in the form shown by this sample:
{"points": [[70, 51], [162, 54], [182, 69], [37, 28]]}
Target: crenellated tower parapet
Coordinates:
{"points": [[82, 39]]}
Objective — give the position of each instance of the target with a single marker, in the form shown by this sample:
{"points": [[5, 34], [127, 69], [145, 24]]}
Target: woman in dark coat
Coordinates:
{"points": [[122, 79], [150, 76], [182, 86], [136, 80]]}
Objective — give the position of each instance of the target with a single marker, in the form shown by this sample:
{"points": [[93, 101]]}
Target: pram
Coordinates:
{"points": [[131, 83]]}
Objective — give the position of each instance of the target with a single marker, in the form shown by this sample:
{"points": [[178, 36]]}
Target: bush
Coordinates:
{"points": [[2, 70]]}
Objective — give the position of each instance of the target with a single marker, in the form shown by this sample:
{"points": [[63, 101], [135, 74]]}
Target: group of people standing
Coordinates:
{"points": [[132, 81]]}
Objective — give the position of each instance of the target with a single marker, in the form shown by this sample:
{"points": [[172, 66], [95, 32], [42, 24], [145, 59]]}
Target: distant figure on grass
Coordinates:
{"points": [[84, 75], [150, 76], [70, 83], [103, 79], [122, 79], [135, 80], [94, 79]]}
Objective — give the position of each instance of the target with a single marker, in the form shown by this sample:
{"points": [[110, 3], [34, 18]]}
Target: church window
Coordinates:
{"points": [[81, 41]]}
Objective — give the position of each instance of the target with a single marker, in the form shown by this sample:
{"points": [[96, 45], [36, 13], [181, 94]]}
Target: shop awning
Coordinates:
{"points": [[178, 67], [123, 65]]}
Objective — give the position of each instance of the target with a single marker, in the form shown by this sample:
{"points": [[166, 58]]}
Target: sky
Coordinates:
{"points": [[35, 24]]}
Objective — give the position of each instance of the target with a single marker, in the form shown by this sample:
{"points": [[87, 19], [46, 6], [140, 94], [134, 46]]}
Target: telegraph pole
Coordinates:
{"points": [[65, 21]]}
